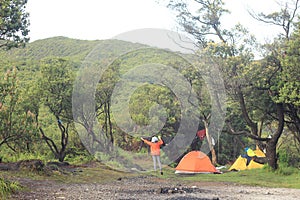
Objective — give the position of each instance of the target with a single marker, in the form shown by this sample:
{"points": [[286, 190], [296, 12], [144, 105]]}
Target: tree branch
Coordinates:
{"points": [[246, 133]]}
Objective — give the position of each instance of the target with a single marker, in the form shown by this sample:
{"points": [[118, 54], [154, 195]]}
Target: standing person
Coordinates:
{"points": [[155, 150]]}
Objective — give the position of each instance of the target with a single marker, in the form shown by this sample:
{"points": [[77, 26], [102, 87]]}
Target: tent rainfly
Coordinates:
{"points": [[244, 162], [195, 162]]}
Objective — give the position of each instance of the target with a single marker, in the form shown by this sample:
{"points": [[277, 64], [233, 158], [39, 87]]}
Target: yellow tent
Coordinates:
{"points": [[259, 153], [241, 162]]}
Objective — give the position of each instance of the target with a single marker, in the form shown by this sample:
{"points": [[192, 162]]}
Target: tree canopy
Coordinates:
{"points": [[14, 23], [253, 86]]}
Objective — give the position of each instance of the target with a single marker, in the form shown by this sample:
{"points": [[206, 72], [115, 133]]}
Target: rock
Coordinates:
{"points": [[133, 169], [268, 193], [181, 191], [159, 191]]}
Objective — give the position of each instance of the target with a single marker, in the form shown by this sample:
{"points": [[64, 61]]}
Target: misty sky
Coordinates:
{"points": [[104, 19]]}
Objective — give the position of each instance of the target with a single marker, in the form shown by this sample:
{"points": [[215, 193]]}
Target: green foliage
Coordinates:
{"points": [[62, 47], [149, 95], [7, 187], [15, 157], [287, 171], [46, 69], [78, 156], [145, 97], [14, 23], [17, 125], [261, 89], [56, 95], [289, 157], [203, 25], [229, 147], [290, 79], [56, 86]]}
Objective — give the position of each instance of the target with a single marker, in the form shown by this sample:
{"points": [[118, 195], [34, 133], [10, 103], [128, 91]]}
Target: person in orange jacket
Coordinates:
{"points": [[155, 150]]}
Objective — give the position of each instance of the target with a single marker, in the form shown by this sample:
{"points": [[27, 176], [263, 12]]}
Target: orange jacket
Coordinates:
{"points": [[154, 147]]}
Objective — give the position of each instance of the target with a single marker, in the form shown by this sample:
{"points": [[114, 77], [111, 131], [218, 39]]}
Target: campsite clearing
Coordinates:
{"points": [[98, 182], [151, 187]]}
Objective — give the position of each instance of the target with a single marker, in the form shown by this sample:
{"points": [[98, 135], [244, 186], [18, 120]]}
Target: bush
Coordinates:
{"points": [[288, 158], [287, 171], [77, 156], [7, 187], [25, 156]]}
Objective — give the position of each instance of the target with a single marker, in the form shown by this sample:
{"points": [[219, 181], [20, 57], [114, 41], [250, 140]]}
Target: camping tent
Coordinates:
{"points": [[246, 162], [195, 162]]}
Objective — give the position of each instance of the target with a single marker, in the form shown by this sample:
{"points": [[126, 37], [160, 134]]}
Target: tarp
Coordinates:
{"points": [[195, 162]]}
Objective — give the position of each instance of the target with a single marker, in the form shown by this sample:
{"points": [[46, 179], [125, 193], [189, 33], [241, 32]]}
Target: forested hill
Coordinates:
{"points": [[72, 49], [43, 84]]}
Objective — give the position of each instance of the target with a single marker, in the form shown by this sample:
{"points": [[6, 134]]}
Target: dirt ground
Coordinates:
{"points": [[149, 187]]}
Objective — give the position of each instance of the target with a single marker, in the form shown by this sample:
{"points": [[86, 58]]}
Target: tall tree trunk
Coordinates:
{"points": [[271, 144], [110, 124], [271, 154], [211, 146], [250, 123]]}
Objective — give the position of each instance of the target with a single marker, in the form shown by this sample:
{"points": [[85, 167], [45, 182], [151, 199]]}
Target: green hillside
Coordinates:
{"points": [[61, 47], [43, 83], [28, 59]]}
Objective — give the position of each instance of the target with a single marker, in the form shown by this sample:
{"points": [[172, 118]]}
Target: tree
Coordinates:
{"points": [[205, 26], [288, 89], [232, 50], [203, 23], [14, 23], [283, 18], [56, 90], [281, 86], [17, 127]]}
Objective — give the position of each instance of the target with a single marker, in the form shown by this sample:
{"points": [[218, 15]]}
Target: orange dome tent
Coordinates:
{"points": [[195, 162]]}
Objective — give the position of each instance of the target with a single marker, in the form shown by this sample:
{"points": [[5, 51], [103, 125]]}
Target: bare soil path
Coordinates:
{"points": [[149, 187]]}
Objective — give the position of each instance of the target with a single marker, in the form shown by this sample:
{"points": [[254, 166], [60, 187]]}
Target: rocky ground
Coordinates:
{"points": [[148, 187]]}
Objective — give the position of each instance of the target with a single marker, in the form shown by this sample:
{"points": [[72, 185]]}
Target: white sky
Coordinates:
{"points": [[104, 19]]}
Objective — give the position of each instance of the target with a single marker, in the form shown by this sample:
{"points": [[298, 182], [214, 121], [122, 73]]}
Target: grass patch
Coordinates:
{"points": [[99, 174], [289, 178], [7, 187], [94, 172]]}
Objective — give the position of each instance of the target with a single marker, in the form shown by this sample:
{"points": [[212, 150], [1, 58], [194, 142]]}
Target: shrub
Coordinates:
{"points": [[8, 187], [289, 158], [287, 171]]}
